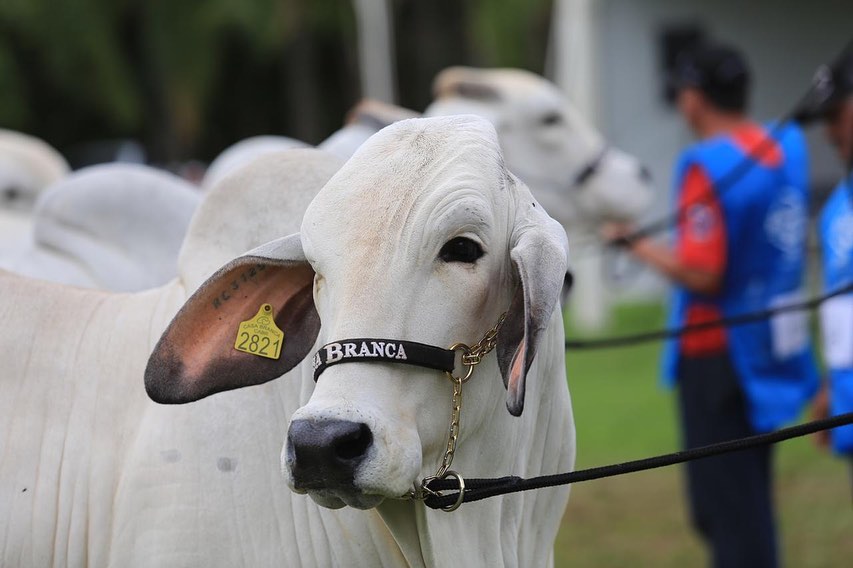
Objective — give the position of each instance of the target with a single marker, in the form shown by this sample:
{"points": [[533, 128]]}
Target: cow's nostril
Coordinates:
{"points": [[645, 174], [326, 453], [354, 444]]}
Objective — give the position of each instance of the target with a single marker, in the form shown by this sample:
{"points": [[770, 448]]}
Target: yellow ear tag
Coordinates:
{"points": [[259, 335]]}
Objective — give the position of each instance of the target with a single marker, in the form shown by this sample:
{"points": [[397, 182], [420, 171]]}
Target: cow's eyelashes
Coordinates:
{"points": [[461, 249]]}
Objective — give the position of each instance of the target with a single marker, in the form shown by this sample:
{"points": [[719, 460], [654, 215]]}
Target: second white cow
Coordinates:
{"points": [[115, 227], [568, 165]]}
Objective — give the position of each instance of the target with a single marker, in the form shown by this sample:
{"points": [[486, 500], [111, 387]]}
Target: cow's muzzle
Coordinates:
{"points": [[325, 454]]}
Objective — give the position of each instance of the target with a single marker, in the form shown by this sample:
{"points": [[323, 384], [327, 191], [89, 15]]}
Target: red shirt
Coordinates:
{"points": [[701, 244], [701, 236]]}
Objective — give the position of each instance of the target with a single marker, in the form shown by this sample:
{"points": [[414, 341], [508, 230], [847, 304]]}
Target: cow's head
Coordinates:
{"points": [[27, 166], [548, 144], [422, 236]]}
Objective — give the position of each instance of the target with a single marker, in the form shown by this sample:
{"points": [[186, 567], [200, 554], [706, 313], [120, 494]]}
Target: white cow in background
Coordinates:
{"points": [[243, 152], [91, 472], [567, 164], [115, 227], [27, 166], [364, 120]]}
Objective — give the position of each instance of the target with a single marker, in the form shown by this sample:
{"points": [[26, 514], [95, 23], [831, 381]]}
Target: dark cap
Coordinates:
{"points": [[718, 71], [831, 85]]}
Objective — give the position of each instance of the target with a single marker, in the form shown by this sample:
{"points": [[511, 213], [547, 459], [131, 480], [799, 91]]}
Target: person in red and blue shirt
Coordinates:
{"points": [[834, 105], [739, 248]]}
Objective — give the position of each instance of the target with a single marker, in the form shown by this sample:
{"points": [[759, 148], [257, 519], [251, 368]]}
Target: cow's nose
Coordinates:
{"points": [[324, 454], [644, 173]]}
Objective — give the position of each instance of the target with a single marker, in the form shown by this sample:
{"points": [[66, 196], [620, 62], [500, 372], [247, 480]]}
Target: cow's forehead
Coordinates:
{"points": [[517, 85], [406, 171]]}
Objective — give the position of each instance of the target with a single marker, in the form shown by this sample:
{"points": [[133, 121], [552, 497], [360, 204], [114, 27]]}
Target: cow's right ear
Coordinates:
{"points": [[196, 356]]}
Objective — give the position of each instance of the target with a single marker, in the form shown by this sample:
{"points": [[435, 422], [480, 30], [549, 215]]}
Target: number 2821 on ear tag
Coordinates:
{"points": [[259, 335]]}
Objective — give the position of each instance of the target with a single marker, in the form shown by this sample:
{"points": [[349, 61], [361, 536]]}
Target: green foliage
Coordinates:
{"points": [[72, 70], [504, 31]]}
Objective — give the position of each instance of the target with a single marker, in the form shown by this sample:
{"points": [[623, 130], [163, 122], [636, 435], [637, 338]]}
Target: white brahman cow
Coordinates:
{"points": [[424, 235], [567, 164], [27, 166], [363, 121], [115, 227], [243, 152], [91, 472]]}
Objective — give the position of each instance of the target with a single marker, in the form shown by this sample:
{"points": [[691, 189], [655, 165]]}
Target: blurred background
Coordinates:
{"points": [[168, 82], [183, 79]]}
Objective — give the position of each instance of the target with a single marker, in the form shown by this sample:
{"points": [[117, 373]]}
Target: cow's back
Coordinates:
{"points": [[71, 394]]}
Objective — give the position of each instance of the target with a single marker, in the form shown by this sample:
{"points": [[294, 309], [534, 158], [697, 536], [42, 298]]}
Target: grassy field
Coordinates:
{"points": [[640, 519]]}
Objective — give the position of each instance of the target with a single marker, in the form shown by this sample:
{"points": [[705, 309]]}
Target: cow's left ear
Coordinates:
{"points": [[539, 253], [196, 356]]}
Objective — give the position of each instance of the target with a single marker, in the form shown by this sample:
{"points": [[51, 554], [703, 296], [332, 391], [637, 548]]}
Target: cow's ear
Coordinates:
{"points": [[539, 254], [196, 356]]}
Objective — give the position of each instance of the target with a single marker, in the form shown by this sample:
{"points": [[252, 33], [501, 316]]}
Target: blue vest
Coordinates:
{"points": [[835, 229], [765, 213]]}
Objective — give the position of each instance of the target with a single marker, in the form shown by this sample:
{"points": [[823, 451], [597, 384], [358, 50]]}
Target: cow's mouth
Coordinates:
{"points": [[335, 495], [335, 498]]}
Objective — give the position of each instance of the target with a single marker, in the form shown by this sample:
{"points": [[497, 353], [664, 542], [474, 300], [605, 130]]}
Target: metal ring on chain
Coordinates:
{"points": [[464, 349], [460, 498]]}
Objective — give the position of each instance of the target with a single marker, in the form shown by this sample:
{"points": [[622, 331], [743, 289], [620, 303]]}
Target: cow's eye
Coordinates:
{"points": [[551, 119], [460, 249], [11, 193]]}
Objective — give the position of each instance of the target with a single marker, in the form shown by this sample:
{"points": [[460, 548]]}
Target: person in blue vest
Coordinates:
{"points": [[833, 103], [739, 248]]}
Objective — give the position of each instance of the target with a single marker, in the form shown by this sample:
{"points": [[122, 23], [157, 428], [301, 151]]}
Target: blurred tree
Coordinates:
{"points": [[189, 77], [510, 33]]}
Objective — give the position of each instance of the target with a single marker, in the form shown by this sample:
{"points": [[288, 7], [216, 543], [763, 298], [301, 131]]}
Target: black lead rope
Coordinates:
{"points": [[741, 319], [476, 489]]}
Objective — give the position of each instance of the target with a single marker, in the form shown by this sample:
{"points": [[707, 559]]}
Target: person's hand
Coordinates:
{"points": [[820, 410], [614, 233]]}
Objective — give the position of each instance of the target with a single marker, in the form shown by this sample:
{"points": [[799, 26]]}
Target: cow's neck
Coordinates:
{"points": [[541, 441]]}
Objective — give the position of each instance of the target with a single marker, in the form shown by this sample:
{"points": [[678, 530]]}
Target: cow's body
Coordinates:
{"points": [[117, 480]]}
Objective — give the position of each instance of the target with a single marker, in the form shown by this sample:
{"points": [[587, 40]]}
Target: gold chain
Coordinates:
{"points": [[471, 357], [453, 433], [476, 353]]}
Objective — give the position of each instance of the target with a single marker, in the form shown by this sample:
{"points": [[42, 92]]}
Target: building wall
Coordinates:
{"points": [[784, 40]]}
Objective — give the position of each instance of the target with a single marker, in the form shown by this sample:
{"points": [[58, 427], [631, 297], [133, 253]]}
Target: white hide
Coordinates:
{"points": [[244, 152], [363, 121], [92, 473], [372, 237], [115, 227], [27, 166]]}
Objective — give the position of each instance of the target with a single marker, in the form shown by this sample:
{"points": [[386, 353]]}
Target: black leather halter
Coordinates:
{"points": [[366, 350], [589, 169]]}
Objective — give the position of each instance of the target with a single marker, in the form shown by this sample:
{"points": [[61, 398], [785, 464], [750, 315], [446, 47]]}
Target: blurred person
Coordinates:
{"points": [[739, 247], [833, 105]]}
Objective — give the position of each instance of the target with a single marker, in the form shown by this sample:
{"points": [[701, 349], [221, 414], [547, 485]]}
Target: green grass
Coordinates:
{"points": [[640, 519]]}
